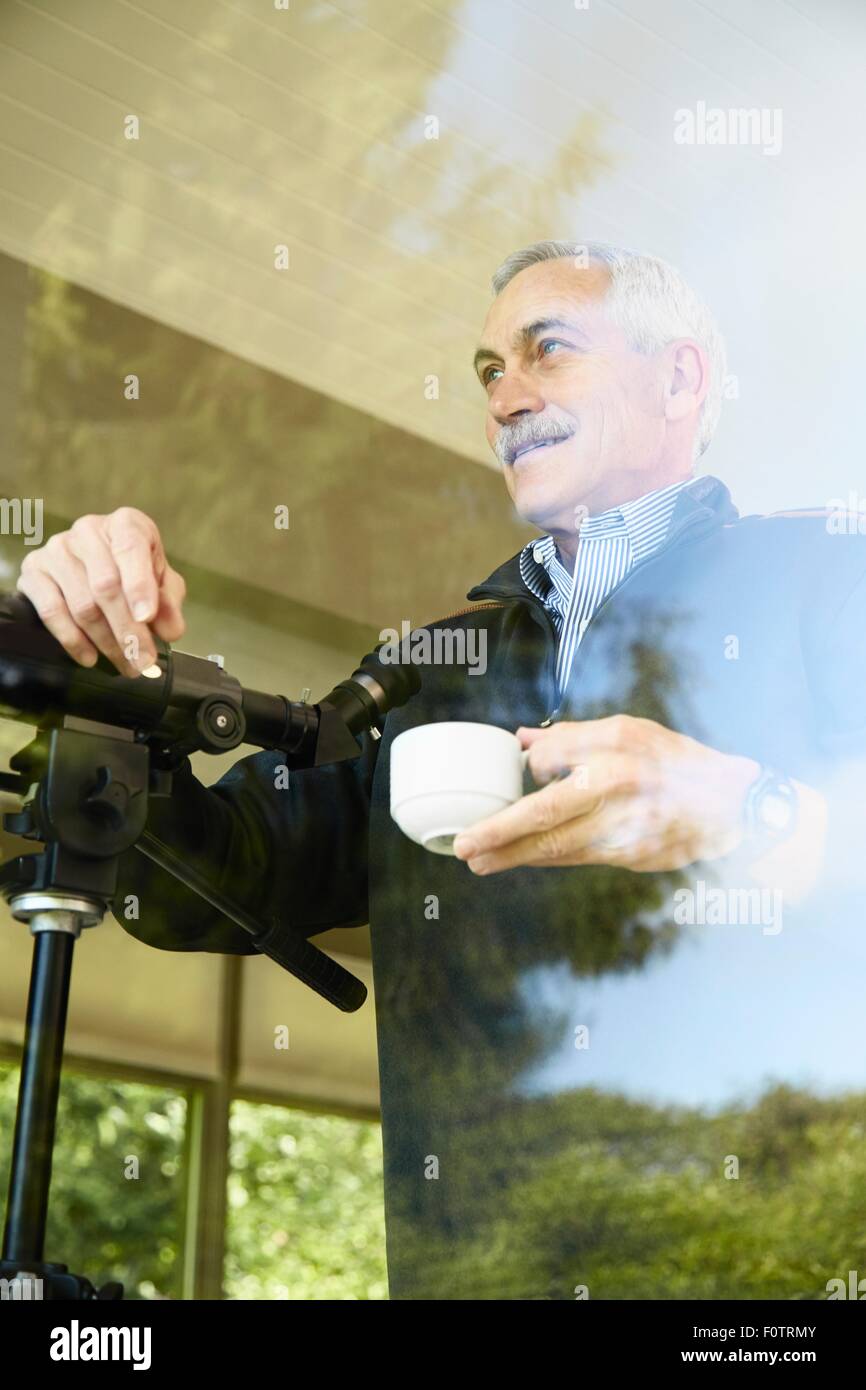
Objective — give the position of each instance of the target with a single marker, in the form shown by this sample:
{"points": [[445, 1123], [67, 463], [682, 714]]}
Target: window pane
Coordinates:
{"points": [[116, 1208], [306, 1216]]}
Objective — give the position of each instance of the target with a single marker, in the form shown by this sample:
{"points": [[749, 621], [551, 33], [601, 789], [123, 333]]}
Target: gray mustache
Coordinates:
{"points": [[512, 438]]}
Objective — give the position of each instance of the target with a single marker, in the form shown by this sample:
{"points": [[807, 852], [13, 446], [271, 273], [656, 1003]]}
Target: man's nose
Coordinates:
{"points": [[512, 396]]}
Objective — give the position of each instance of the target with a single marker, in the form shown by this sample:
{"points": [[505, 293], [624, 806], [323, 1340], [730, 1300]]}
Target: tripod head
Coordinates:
{"points": [[108, 742]]}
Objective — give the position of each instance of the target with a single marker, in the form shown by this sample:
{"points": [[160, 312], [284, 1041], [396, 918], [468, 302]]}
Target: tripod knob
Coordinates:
{"points": [[220, 724], [109, 799]]}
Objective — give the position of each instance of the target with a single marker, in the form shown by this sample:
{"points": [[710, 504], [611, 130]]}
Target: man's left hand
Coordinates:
{"points": [[620, 791]]}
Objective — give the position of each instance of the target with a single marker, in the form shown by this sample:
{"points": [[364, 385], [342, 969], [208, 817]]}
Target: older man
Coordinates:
{"points": [[685, 683]]}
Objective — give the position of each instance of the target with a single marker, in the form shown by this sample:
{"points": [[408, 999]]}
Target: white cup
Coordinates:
{"points": [[445, 777]]}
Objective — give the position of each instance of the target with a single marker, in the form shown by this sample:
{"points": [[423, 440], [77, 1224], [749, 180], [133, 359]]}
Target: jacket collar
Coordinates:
{"points": [[701, 507]]}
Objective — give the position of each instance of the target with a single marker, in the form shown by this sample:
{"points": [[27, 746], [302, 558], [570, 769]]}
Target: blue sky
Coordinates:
{"points": [[729, 1011]]}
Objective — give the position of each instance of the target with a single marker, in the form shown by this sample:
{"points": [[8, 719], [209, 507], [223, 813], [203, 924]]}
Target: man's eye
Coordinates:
{"points": [[487, 375], [550, 343]]}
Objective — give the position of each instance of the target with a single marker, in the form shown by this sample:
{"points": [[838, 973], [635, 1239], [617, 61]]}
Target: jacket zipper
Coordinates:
{"points": [[458, 613]]}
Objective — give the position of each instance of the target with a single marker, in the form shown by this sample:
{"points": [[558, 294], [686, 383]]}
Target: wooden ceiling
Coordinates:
{"points": [[398, 149]]}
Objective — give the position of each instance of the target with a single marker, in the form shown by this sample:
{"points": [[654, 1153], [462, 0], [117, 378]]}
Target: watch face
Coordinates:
{"points": [[775, 812]]}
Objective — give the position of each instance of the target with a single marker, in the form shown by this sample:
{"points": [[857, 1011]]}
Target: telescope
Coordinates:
{"points": [[104, 744], [191, 704]]}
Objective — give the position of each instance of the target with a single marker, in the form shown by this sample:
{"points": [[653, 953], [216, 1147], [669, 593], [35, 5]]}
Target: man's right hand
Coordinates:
{"points": [[105, 586]]}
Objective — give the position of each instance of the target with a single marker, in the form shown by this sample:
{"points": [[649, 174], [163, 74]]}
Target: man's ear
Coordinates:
{"points": [[688, 378]]}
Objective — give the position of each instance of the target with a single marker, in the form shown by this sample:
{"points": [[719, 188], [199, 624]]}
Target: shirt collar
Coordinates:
{"points": [[644, 521], [702, 507]]}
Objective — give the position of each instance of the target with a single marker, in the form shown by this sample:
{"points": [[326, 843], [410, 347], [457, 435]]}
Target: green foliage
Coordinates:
{"points": [[633, 1202], [630, 1199], [102, 1223], [306, 1218]]}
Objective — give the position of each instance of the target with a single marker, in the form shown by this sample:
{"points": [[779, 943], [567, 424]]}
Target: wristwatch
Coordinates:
{"points": [[770, 810]]}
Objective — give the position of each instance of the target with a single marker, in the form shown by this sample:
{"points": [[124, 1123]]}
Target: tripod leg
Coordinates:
{"points": [[30, 1177]]}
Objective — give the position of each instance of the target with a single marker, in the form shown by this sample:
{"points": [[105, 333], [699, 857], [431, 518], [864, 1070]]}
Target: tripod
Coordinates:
{"points": [[87, 786], [88, 804], [106, 743]]}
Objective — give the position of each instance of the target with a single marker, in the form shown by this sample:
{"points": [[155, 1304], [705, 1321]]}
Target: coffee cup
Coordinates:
{"points": [[447, 776]]}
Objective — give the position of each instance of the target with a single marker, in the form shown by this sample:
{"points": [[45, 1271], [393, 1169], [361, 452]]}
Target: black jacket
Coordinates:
{"points": [[744, 633]]}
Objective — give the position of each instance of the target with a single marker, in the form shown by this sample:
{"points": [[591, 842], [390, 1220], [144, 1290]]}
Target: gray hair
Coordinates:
{"points": [[649, 300]]}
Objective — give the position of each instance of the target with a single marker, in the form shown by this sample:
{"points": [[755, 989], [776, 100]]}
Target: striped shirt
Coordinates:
{"points": [[610, 544]]}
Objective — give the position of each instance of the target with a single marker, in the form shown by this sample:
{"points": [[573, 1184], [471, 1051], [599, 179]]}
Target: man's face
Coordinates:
{"points": [[575, 416]]}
